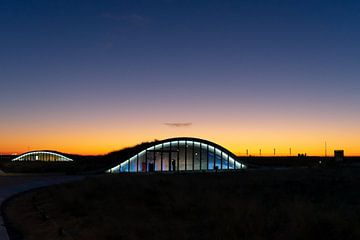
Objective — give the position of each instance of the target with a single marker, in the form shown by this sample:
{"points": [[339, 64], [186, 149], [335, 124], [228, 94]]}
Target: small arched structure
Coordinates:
{"points": [[45, 156], [180, 154]]}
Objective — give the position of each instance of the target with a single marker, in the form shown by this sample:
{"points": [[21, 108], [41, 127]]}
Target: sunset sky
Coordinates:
{"points": [[94, 76]]}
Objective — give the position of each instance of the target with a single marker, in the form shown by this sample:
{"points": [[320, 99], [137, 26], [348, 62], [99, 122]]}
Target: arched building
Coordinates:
{"points": [[45, 156], [180, 154]]}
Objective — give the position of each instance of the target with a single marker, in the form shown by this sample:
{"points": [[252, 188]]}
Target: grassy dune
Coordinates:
{"points": [[272, 204]]}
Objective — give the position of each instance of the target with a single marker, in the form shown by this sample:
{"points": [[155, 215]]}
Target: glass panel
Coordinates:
{"points": [[124, 166], [174, 145], [142, 162], [174, 156], [225, 161], [166, 161], [189, 158], [231, 163], [133, 164], [239, 165], [157, 160], [167, 146], [211, 157], [218, 159], [182, 155], [151, 159], [204, 156], [197, 156], [115, 169]]}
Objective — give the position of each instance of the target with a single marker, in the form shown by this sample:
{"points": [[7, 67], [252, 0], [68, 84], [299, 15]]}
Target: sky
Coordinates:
{"points": [[94, 76]]}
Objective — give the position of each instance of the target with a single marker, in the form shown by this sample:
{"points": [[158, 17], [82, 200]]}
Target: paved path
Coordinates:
{"points": [[13, 184]]}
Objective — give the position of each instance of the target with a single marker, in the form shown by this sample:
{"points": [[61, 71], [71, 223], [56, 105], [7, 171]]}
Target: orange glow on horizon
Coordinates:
{"points": [[99, 145], [103, 135]]}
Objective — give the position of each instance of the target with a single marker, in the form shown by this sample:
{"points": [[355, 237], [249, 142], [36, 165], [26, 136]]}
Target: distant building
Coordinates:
{"points": [[339, 155], [45, 156], [181, 154]]}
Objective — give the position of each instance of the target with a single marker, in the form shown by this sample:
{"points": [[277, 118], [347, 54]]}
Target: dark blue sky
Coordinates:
{"points": [[182, 58]]}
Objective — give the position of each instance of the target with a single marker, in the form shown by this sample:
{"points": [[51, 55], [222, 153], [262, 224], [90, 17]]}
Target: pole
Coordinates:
{"points": [[325, 149]]}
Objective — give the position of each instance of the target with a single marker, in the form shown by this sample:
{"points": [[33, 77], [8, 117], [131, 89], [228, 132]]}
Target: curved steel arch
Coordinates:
{"points": [[23, 157], [229, 158]]}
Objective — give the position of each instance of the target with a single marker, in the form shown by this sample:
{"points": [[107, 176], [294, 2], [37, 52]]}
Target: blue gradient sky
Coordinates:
{"points": [[93, 76]]}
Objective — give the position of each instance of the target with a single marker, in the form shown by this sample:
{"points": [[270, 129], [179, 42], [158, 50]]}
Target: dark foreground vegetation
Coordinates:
{"points": [[257, 204]]}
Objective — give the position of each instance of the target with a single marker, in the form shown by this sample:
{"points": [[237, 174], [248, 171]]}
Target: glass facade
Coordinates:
{"points": [[180, 155], [42, 156]]}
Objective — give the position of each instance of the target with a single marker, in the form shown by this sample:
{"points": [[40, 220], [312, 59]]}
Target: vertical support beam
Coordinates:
{"points": [[207, 156], [170, 160], [221, 154], [214, 158], [200, 155], [178, 155], [185, 155], [137, 162], [154, 159], [228, 161], [129, 161], [193, 157], [146, 161], [162, 151]]}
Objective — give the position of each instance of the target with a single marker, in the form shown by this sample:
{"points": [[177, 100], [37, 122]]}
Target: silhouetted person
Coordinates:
{"points": [[173, 164]]}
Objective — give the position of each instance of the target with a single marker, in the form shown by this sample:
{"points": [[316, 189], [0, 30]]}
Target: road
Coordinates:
{"points": [[13, 184]]}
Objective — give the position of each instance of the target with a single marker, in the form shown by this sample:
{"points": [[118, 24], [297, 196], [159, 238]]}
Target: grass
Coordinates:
{"points": [[271, 204]]}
